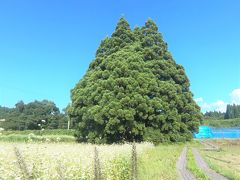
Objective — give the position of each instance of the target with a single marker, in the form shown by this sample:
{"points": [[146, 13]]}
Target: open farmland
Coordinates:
{"points": [[37, 160], [76, 161], [227, 160], [63, 160]]}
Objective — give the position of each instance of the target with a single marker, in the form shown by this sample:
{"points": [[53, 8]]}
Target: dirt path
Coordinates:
{"points": [[183, 173], [205, 168]]}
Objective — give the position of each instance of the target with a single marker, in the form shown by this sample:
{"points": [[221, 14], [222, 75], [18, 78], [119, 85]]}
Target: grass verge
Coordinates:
{"points": [[160, 162], [193, 167]]}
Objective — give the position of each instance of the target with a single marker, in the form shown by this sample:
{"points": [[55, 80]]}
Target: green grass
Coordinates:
{"points": [[222, 122], [160, 162], [48, 135], [39, 132], [118, 169], [193, 167], [36, 138]]}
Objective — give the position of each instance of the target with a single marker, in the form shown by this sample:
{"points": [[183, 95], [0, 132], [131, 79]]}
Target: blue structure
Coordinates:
{"points": [[209, 132], [204, 132]]}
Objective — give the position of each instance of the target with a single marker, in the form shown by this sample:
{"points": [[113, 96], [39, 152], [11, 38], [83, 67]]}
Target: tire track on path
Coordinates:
{"points": [[183, 172]]}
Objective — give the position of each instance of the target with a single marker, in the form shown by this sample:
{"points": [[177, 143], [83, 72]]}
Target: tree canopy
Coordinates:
{"points": [[134, 91], [29, 116]]}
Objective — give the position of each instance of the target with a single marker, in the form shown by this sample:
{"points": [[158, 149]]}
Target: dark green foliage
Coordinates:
{"points": [[29, 116], [233, 111], [214, 115], [134, 91]]}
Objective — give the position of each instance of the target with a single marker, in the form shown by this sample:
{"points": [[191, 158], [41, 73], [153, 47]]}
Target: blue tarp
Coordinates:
{"points": [[210, 132]]}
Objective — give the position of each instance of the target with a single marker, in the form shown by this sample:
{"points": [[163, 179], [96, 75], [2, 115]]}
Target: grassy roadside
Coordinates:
{"points": [[160, 162], [193, 167]]}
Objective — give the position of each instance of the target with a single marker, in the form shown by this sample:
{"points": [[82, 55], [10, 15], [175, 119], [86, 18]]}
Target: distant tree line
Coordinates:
{"points": [[34, 115], [214, 115], [232, 111]]}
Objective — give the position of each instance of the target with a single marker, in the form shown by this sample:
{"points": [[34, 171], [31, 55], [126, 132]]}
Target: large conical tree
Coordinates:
{"points": [[134, 91]]}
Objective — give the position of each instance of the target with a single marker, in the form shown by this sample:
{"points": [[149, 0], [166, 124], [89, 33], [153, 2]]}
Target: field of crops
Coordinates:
{"points": [[61, 160], [38, 157], [227, 160]]}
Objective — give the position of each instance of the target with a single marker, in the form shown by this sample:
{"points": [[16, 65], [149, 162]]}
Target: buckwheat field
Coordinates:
{"points": [[66, 160]]}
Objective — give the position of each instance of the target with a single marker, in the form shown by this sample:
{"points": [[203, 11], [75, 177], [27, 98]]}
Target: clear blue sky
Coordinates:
{"points": [[46, 46]]}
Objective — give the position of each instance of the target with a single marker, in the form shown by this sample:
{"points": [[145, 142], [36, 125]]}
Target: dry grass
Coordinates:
{"points": [[8, 163], [226, 161]]}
